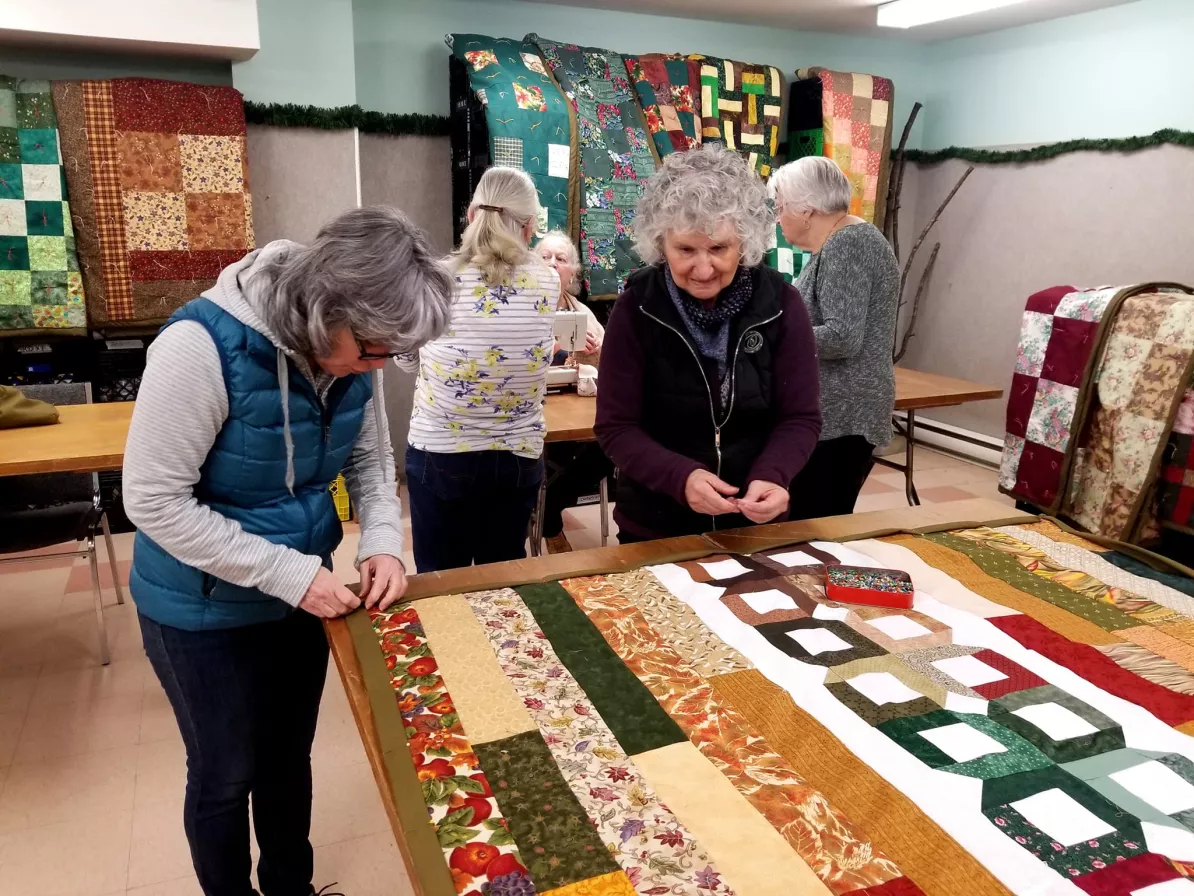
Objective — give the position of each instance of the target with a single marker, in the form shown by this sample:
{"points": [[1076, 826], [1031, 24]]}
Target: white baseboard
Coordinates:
{"points": [[988, 454]]}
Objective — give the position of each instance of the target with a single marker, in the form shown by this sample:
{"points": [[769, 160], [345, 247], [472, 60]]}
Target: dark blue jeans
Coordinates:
{"points": [[246, 700], [472, 507]]}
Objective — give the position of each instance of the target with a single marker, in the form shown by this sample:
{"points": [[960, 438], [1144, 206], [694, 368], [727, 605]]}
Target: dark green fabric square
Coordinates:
{"points": [[14, 253], [631, 712], [39, 146], [16, 317], [72, 256], [873, 713], [556, 839], [10, 146], [43, 218], [12, 184], [1108, 737], [1071, 861], [1019, 756], [48, 287], [35, 110]]}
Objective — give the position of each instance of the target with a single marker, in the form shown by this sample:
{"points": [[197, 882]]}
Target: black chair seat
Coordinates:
{"points": [[32, 529]]}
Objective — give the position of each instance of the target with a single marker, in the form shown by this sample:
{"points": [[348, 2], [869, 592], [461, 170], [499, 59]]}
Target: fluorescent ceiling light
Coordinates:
{"points": [[910, 13]]}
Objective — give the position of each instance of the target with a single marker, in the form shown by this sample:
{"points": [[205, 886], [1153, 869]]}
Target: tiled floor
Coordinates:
{"points": [[92, 767]]}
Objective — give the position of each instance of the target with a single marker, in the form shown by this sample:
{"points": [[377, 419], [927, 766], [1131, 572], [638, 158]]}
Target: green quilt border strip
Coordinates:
{"points": [[426, 854], [1007, 569], [628, 708]]}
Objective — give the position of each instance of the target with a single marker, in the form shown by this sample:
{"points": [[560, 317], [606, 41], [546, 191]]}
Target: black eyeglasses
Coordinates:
{"points": [[367, 355]]}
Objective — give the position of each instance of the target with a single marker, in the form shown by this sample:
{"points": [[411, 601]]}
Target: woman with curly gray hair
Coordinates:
{"points": [[255, 396], [709, 403]]}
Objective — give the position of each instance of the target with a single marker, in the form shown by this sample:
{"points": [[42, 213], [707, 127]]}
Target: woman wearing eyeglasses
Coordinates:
{"points": [[255, 396], [473, 465]]}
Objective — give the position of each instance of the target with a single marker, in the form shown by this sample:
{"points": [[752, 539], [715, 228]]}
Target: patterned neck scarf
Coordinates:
{"points": [[710, 327]]}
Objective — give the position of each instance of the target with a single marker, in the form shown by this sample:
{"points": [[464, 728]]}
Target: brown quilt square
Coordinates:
{"points": [[1154, 392], [149, 162], [1141, 317], [216, 221]]}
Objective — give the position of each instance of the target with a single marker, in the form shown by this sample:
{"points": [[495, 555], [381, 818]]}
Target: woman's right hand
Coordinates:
{"points": [[327, 598], [704, 493]]}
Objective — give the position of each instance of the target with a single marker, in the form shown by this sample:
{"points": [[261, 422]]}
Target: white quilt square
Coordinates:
{"points": [[883, 687], [1166, 840], [769, 600], [898, 628], [1062, 817], [12, 218], [725, 569], [969, 671], [1058, 722], [1183, 886], [42, 182], [559, 157], [818, 640], [1159, 786], [795, 558], [837, 614], [961, 743]]}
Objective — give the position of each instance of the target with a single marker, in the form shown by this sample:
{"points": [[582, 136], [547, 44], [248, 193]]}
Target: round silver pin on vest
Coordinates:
{"points": [[753, 342]]}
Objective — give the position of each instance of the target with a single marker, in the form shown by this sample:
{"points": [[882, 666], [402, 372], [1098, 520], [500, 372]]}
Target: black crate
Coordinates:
{"points": [[469, 142], [119, 365]]}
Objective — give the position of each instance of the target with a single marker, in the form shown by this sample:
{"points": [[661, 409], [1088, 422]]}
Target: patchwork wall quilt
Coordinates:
{"points": [[1176, 488], [1143, 374], [857, 113], [616, 156], [40, 283], [670, 95], [159, 185], [742, 106], [718, 726], [528, 119]]}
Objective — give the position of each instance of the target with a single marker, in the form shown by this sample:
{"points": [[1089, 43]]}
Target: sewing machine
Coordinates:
{"points": [[569, 328]]}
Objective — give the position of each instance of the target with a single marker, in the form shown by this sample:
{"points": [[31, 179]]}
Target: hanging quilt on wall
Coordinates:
{"points": [[528, 119], [671, 100], [1176, 488], [1142, 376], [40, 284], [857, 112], [742, 106], [158, 178], [716, 725], [616, 156]]}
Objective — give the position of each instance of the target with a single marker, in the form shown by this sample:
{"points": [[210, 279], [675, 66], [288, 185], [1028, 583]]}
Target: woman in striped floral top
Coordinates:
{"points": [[473, 464]]}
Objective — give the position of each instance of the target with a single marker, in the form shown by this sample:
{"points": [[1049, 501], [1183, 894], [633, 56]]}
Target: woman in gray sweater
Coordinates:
{"points": [[851, 288]]}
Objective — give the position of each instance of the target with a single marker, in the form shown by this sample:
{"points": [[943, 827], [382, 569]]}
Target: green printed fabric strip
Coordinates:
{"points": [[527, 116], [555, 837], [636, 719], [1007, 569]]}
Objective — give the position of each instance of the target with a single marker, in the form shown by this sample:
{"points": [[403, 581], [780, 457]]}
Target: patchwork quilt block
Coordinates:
{"points": [[1142, 378], [1059, 341], [857, 112], [718, 726], [1176, 488], [160, 180], [670, 97], [40, 283], [615, 154], [528, 119], [742, 106]]}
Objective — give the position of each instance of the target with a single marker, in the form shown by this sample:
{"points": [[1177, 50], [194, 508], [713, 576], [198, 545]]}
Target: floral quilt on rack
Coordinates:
{"points": [[671, 99], [1142, 377], [1176, 488], [40, 283], [159, 181], [718, 726], [857, 111], [528, 120], [616, 156], [742, 106]]}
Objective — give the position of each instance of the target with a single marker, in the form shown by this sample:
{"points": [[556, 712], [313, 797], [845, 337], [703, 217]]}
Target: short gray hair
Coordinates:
{"points": [[370, 271], [814, 182], [696, 191]]}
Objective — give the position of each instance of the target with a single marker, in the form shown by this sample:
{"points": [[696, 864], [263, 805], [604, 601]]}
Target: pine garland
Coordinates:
{"points": [[289, 115], [1168, 136]]}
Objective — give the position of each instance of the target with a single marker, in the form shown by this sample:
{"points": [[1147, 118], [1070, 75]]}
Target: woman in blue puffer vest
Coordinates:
{"points": [[254, 398]]}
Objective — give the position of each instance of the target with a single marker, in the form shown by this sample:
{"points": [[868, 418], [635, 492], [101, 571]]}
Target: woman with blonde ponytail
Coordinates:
{"points": [[474, 462]]}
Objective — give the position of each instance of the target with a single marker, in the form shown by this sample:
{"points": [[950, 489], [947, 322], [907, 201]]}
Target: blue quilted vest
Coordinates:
{"points": [[244, 478]]}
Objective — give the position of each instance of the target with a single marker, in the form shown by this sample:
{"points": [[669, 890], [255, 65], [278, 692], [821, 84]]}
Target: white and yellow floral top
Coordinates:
{"points": [[482, 384]]}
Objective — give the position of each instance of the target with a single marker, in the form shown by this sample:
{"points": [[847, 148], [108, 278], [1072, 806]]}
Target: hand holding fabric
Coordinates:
{"points": [[327, 598], [763, 502], [704, 493], [383, 581]]}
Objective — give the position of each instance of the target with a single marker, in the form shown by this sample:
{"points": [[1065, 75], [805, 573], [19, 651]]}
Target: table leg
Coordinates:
{"points": [[604, 491], [909, 448], [537, 518]]}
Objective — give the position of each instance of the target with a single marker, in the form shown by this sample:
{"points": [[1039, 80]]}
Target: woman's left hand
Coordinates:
{"points": [[590, 342], [383, 581], [763, 501]]}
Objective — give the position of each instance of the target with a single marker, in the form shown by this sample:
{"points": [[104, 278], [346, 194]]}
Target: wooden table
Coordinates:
{"points": [[372, 699], [88, 438]]}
